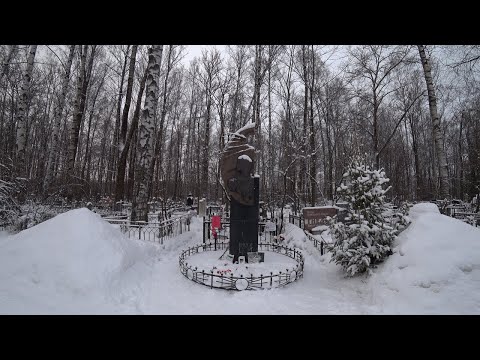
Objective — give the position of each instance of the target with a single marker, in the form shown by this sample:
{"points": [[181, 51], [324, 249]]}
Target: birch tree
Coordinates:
{"points": [[437, 131], [22, 112], [145, 134]]}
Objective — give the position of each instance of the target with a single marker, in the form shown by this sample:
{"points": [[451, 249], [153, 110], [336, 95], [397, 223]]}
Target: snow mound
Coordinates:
{"points": [[423, 208], [295, 237], [69, 259], [435, 267]]}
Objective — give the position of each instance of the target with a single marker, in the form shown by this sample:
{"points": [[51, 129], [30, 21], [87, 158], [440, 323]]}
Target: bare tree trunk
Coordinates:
{"points": [[122, 161], [6, 64], [416, 160], [313, 152], [197, 158], [78, 110], [270, 144], [57, 117], [437, 131], [460, 159], [178, 180], [159, 137], [375, 129], [256, 105], [131, 165], [21, 112], [89, 158], [206, 145], [258, 120], [145, 134], [103, 151], [90, 117], [115, 146], [80, 101], [324, 151], [128, 97], [304, 143]]}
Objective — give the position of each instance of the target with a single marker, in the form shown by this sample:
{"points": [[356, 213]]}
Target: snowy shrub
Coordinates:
{"points": [[364, 239], [9, 210], [471, 220], [33, 215]]}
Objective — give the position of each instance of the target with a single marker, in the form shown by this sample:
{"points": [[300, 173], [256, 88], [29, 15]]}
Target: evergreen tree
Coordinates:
{"points": [[365, 237]]}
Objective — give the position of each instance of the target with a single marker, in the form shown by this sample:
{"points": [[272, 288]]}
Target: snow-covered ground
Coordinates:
{"points": [[76, 263]]}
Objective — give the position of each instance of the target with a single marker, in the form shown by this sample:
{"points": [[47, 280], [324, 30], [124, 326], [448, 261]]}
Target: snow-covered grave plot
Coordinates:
{"points": [[208, 265], [77, 263]]}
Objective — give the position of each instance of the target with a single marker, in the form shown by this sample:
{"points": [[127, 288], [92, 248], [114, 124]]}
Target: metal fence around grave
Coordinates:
{"points": [[324, 246], [232, 282], [469, 217], [321, 245], [296, 220], [154, 232]]}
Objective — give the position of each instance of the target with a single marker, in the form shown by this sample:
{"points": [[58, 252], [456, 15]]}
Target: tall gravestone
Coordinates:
{"points": [[237, 168], [202, 207]]}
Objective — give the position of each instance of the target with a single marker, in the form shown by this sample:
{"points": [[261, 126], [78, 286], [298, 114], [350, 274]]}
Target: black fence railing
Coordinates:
{"points": [[468, 217], [215, 210], [296, 220], [229, 281], [154, 232], [320, 244]]}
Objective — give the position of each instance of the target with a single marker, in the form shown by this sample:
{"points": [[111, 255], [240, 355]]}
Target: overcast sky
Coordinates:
{"points": [[196, 51]]}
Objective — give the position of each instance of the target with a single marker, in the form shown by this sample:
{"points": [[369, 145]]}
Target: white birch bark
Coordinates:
{"points": [[437, 131], [146, 132], [21, 112]]}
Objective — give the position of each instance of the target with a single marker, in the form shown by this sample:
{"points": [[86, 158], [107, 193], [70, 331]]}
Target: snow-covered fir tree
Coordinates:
{"points": [[365, 238]]}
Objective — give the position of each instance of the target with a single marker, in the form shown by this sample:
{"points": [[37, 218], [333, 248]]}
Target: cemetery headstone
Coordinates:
{"points": [[237, 166], [202, 207], [315, 216]]}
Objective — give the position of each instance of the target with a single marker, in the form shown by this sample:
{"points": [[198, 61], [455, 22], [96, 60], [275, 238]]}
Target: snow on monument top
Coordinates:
{"points": [[245, 157], [250, 125]]}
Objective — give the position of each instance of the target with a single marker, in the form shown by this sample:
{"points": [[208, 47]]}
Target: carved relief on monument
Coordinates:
{"points": [[237, 165]]}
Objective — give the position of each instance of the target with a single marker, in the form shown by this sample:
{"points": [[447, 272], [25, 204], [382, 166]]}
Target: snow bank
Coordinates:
{"points": [[423, 208], [435, 267], [63, 264], [295, 237]]}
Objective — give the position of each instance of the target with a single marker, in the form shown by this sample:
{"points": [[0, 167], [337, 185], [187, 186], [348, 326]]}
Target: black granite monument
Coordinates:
{"points": [[237, 165]]}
